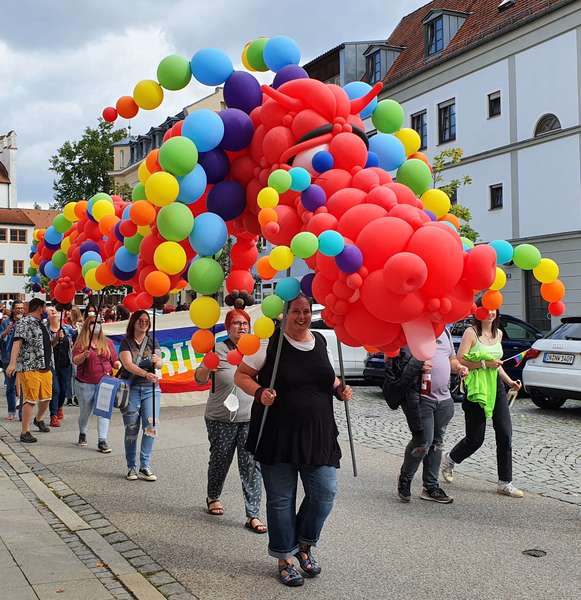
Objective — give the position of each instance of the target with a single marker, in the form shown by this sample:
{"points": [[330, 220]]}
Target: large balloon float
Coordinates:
{"points": [[290, 162]]}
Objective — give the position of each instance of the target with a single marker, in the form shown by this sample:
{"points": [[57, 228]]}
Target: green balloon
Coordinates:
{"points": [[59, 259], [280, 180], [254, 54], [173, 72], [178, 155], [416, 174], [175, 222], [388, 116], [304, 244], [61, 224], [138, 192], [272, 306], [133, 243], [101, 196], [205, 276], [32, 271], [526, 256], [90, 264]]}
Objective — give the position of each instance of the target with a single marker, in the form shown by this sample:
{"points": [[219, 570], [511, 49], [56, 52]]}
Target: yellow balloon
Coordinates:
{"points": [[281, 258], [66, 244], [546, 271], [204, 312], [144, 230], [436, 201], [102, 208], [37, 235], [267, 198], [245, 58], [170, 258], [410, 139], [148, 94], [91, 280], [69, 212], [499, 280], [162, 188], [143, 172], [264, 327]]}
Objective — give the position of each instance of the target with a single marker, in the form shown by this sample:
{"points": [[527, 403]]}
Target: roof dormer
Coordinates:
{"points": [[378, 61], [440, 27]]}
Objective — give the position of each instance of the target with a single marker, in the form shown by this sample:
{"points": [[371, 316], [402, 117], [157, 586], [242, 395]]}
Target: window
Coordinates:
{"points": [[536, 307], [517, 331], [374, 66], [435, 35], [447, 121], [546, 124], [18, 236], [2, 268], [496, 196], [494, 107], [18, 267], [3, 235], [420, 124]]}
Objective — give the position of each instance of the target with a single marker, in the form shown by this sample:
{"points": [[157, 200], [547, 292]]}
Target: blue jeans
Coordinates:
{"points": [[87, 400], [287, 528], [139, 413], [61, 388], [10, 393]]}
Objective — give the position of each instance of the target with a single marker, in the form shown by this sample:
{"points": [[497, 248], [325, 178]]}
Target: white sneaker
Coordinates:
{"points": [[448, 468], [132, 475], [147, 474], [508, 489]]}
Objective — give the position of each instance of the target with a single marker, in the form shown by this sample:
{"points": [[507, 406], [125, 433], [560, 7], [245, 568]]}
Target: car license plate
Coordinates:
{"points": [[561, 359]]}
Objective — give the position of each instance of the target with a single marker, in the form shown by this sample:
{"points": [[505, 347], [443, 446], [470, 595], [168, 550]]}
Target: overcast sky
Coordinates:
{"points": [[62, 62]]}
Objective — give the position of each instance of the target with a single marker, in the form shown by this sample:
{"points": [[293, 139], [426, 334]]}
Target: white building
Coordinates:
{"points": [[8, 170], [501, 80]]}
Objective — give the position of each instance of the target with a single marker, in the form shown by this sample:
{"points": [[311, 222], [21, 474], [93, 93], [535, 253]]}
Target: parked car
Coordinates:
{"points": [[518, 336], [552, 373], [353, 358]]}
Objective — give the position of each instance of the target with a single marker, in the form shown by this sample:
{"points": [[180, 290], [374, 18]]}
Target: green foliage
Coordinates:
{"points": [[82, 167], [449, 158]]}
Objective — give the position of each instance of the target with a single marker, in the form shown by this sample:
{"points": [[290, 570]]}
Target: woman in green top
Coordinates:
{"points": [[481, 351]]}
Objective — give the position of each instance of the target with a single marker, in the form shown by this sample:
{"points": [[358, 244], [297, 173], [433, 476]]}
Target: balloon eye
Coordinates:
{"points": [[323, 161], [305, 159]]}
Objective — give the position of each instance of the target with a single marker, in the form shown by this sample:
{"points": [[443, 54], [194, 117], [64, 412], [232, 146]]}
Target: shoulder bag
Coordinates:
{"points": [[122, 393]]}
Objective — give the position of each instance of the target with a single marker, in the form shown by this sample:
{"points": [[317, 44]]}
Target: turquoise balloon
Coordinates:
{"points": [[272, 306], [288, 288], [300, 179], [504, 251], [331, 243]]}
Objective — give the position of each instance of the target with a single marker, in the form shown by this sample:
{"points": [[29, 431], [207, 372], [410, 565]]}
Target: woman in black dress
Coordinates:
{"points": [[299, 437]]}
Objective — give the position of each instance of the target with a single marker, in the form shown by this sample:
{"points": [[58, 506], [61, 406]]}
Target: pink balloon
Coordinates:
{"points": [[420, 338]]}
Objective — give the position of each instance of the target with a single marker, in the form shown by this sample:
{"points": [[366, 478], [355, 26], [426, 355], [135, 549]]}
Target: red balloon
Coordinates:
{"points": [[109, 115], [367, 329], [242, 170], [461, 299], [356, 218], [289, 223], [340, 202], [404, 194], [128, 228], [92, 230], [381, 239], [416, 217], [243, 255], [348, 150], [333, 180], [404, 272], [556, 309], [211, 360], [482, 313], [275, 142], [144, 300], [365, 180], [130, 302], [480, 267], [346, 337], [234, 357], [327, 266], [322, 222], [72, 270], [382, 196], [321, 287], [240, 280]]}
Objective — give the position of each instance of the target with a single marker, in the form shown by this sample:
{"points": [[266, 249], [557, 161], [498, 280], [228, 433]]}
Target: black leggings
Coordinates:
{"points": [[476, 429]]}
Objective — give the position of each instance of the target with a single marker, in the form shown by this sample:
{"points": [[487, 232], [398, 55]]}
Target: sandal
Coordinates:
{"points": [[288, 575], [258, 527], [309, 565], [217, 511]]}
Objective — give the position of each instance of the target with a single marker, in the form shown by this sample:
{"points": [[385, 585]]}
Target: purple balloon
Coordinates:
{"points": [[117, 232], [216, 164], [227, 199], [242, 91], [430, 214], [90, 246], [313, 197], [238, 129], [122, 275], [289, 73], [52, 246], [307, 284], [350, 259], [43, 264]]}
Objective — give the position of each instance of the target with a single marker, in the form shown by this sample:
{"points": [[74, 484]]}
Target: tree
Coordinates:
{"points": [[82, 167], [446, 159], [37, 206]]}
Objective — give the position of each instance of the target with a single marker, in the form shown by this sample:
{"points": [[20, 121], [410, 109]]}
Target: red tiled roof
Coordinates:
{"points": [[4, 174], [40, 218], [14, 216], [484, 21]]}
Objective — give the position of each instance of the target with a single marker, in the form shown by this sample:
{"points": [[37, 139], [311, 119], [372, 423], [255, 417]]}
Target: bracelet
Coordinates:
{"points": [[258, 394]]}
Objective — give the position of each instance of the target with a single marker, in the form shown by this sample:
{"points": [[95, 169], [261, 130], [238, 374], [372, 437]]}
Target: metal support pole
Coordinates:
{"points": [[346, 403]]}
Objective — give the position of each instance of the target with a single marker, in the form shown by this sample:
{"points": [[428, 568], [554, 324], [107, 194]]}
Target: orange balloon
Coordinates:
{"points": [[492, 300], [421, 156], [451, 219], [107, 223], [142, 213], [263, 268], [152, 161], [203, 341], [554, 291], [81, 208], [126, 107], [104, 275], [248, 344], [371, 349], [267, 215], [157, 283]]}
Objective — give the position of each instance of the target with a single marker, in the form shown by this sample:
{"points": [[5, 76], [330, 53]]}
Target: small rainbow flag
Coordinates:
{"points": [[518, 358]]}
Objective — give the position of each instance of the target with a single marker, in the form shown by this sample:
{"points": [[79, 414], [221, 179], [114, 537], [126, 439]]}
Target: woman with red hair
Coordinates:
{"points": [[227, 421]]}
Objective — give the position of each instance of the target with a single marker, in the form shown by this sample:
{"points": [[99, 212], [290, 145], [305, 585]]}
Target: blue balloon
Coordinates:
{"points": [[300, 179], [35, 279], [91, 255], [126, 212], [281, 51], [331, 243], [323, 161], [288, 288], [52, 236], [209, 234], [211, 66], [122, 275], [372, 160], [358, 89], [192, 185], [205, 128], [504, 251], [51, 270], [125, 261], [389, 150]]}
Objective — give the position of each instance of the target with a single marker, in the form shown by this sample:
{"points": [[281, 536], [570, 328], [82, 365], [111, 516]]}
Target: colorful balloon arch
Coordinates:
{"points": [[290, 162]]}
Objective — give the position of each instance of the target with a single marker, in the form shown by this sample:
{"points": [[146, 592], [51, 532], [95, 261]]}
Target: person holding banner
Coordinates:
{"points": [[227, 421], [94, 356], [140, 359], [299, 437]]}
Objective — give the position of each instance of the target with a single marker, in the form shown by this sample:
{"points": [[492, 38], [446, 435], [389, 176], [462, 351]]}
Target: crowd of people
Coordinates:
{"points": [[275, 410]]}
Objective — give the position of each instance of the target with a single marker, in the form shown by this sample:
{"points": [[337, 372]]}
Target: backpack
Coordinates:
{"points": [[392, 390]]}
